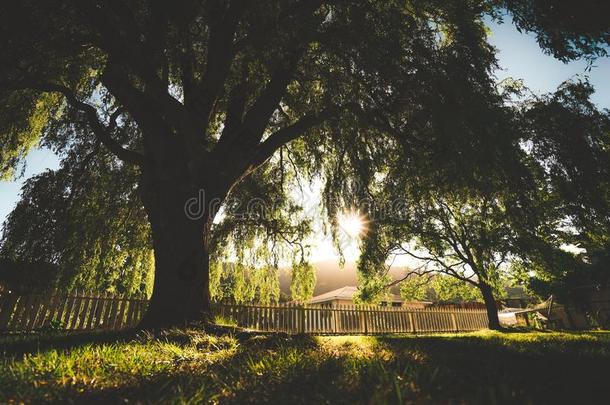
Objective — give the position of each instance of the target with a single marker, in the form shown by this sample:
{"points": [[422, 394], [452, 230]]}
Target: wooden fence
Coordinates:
{"points": [[69, 311], [83, 311], [350, 319]]}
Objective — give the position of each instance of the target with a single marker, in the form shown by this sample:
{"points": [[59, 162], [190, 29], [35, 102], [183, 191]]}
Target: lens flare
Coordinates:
{"points": [[352, 223]]}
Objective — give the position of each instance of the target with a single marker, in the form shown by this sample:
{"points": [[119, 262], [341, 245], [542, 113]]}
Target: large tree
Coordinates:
{"points": [[198, 94]]}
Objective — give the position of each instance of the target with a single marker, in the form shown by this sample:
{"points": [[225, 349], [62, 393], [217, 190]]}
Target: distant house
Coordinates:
{"points": [[345, 296]]}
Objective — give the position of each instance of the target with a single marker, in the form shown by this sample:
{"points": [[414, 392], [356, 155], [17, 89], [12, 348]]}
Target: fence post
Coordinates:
{"points": [[366, 319], [412, 322], [7, 309], [453, 321], [302, 318]]}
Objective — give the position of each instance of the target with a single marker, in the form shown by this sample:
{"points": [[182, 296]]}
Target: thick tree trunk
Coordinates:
{"points": [[491, 306], [181, 286], [181, 245]]}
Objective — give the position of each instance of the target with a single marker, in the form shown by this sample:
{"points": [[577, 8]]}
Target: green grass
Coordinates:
{"points": [[189, 366], [222, 321]]}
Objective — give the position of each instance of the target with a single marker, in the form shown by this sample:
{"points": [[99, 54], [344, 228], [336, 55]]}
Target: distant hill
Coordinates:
{"points": [[330, 276]]}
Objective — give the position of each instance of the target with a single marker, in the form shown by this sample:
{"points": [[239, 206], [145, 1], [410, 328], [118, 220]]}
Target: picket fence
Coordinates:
{"points": [[85, 311], [68, 311], [350, 319]]}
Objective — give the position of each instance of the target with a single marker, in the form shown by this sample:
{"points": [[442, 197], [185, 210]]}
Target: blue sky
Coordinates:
{"points": [[37, 161], [519, 56]]}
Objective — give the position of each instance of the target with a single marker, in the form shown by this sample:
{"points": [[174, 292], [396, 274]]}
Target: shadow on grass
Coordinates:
{"points": [[15, 345], [502, 369], [18, 345], [499, 368]]}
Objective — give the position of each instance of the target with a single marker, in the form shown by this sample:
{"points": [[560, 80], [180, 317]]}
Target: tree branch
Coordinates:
{"points": [[221, 52], [100, 130], [120, 36], [236, 106], [446, 268], [258, 116], [283, 136], [410, 273]]}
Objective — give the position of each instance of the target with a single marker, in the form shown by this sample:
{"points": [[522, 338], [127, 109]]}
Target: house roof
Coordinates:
{"points": [[344, 293]]}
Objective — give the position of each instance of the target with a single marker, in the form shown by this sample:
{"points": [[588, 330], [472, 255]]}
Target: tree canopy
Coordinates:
{"points": [[193, 96]]}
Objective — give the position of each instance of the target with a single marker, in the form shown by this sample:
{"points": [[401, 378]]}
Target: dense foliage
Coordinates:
{"points": [[87, 220], [444, 289], [238, 98]]}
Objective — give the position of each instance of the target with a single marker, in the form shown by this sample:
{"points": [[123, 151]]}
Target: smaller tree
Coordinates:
{"points": [[469, 239], [460, 235]]}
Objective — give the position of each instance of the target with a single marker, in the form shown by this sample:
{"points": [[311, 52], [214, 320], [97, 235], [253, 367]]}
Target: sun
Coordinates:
{"points": [[352, 223]]}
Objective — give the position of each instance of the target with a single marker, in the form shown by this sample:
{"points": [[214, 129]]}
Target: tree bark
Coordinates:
{"points": [[181, 247], [491, 306]]}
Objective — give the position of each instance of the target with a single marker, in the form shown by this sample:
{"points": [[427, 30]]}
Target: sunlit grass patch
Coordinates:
{"points": [[357, 347], [101, 366], [224, 321], [358, 343]]}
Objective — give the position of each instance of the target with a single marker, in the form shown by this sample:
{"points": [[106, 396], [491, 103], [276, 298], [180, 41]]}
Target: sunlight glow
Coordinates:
{"points": [[352, 223]]}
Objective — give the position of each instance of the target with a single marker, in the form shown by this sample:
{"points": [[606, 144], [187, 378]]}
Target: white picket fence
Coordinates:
{"points": [[87, 311], [350, 319]]}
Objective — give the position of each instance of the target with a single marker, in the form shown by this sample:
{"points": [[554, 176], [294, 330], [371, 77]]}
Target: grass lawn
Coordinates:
{"points": [[188, 366]]}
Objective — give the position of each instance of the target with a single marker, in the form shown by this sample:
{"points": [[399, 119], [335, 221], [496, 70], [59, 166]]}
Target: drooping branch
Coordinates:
{"points": [[102, 132]]}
